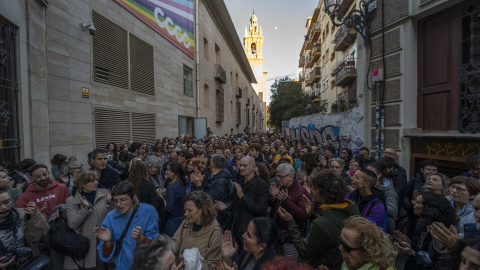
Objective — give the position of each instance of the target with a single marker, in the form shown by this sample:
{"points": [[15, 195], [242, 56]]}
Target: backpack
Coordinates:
{"points": [[65, 241]]}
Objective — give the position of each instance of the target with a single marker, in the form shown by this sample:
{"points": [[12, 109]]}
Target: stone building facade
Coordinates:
{"points": [[73, 91], [430, 92]]}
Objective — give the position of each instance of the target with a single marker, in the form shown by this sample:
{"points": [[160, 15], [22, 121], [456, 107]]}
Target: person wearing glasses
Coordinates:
{"points": [[365, 246], [73, 169], [320, 246], [86, 210], [142, 228], [289, 195], [463, 190]]}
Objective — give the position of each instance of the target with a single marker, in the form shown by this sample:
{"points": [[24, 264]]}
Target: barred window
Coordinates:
{"points": [[9, 125]]}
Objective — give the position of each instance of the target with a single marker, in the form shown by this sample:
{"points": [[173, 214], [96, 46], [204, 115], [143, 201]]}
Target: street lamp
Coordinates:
{"points": [[356, 18]]}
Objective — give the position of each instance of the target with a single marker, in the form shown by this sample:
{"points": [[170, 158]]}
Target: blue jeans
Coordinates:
{"points": [[173, 224]]}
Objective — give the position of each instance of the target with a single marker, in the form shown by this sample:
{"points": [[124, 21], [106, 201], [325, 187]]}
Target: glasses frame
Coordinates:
{"points": [[346, 247]]}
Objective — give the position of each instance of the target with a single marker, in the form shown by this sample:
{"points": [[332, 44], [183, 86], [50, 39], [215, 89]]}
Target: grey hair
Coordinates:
{"points": [[445, 182], [151, 160], [218, 161], [286, 168], [339, 160], [73, 164], [150, 255]]}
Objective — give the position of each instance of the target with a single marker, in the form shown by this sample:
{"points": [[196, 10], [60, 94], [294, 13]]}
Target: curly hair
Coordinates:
{"points": [[202, 201], [85, 177], [331, 187], [263, 172], [150, 255], [473, 161], [436, 208], [373, 241]]}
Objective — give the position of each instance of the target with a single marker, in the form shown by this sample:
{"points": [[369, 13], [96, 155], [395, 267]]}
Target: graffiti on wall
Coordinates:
{"points": [[453, 150], [317, 136]]}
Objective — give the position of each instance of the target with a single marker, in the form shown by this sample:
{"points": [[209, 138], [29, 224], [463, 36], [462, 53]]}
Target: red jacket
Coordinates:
{"points": [[53, 195]]}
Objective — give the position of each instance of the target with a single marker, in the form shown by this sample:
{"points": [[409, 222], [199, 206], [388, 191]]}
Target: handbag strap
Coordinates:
{"points": [[128, 224]]}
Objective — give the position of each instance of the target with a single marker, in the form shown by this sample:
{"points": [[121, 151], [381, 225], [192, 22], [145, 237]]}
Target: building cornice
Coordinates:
{"points": [[222, 19]]}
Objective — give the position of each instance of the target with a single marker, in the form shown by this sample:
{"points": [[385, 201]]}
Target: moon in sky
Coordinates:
{"points": [[275, 28]]}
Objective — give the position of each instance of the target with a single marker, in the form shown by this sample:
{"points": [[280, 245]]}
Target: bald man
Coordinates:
{"points": [[250, 200]]}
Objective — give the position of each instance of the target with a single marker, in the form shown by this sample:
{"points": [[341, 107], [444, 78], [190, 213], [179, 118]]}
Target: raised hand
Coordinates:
{"points": [[103, 234], [239, 190], [83, 201], [43, 207], [306, 186], [284, 214], [228, 249], [20, 185], [273, 189], [197, 178], [308, 205], [137, 234], [65, 179], [109, 195], [282, 196], [31, 209], [7, 263], [220, 205], [443, 236]]}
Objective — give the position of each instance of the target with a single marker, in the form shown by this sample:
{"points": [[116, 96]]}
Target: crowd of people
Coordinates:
{"points": [[243, 202]]}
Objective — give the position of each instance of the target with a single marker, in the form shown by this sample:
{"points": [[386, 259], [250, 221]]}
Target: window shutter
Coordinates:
{"points": [[220, 105], [143, 127], [110, 53], [141, 66], [119, 126], [111, 126]]}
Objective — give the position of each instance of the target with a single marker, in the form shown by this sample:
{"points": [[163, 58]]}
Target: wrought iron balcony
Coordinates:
{"points": [[344, 37], [220, 74], [301, 76], [314, 76], [314, 55], [345, 72]]}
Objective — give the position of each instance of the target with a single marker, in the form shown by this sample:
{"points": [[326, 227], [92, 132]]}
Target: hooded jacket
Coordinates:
{"points": [[371, 207], [53, 195], [320, 246], [208, 240], [391, 200]]}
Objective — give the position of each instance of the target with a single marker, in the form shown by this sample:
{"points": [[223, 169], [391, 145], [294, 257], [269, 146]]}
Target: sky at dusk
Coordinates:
{"points": [[283, 24]]}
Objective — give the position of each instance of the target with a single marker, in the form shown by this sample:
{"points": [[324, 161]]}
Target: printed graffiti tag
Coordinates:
{"points": [[453, 150]]}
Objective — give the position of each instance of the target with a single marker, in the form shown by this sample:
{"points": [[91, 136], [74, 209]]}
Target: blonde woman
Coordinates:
{"points": [[365, 246]]}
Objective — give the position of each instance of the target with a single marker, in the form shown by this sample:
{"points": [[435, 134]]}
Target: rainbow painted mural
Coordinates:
{"points": [[173, 19]]}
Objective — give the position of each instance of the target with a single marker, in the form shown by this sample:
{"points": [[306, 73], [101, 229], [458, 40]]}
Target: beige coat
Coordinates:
{"points": [[34, 229], [83, 221], [208, 241]]}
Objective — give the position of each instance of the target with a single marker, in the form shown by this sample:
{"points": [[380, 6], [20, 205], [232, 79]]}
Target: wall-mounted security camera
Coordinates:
{"points": [[89, 26]]}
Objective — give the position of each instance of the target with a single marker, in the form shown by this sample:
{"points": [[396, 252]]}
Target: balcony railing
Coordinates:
{"points": [[313, 56], [345, 36], [301, 61], [314, 76], [220, 74], [301, 76], [345, 73], [315, 33]]}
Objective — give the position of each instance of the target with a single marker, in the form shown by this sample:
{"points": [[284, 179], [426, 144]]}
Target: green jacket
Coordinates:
{"points": [[321, 244], [367, 266]]}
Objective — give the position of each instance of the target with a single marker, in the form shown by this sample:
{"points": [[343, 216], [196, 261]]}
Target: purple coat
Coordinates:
{"points": [[371, 207]]}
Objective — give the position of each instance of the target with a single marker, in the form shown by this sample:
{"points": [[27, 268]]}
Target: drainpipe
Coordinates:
{"points": [[197, 58]]}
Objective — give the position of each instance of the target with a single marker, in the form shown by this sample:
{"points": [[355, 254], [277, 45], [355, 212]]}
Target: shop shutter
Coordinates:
{"points": [[143, 127]]}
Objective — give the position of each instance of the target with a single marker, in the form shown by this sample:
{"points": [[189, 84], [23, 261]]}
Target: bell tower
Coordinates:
{"points": [[253, 45]]}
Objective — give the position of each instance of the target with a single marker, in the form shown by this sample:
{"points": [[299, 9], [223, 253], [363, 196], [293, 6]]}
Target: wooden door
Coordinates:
{"points": [[438, 71]]}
